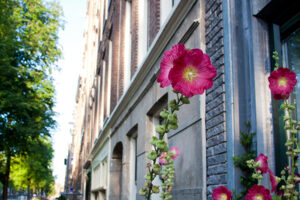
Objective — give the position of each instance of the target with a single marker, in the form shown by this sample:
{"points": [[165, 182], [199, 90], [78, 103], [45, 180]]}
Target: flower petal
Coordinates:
{"points": [[273, 180], [175, 152], [167, 63], [197, 63], [258, 192], [282, 82], [263, 161], [221, 193]]}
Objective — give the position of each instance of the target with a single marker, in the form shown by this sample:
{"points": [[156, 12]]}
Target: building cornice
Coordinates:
{"points": [[158, 45]]}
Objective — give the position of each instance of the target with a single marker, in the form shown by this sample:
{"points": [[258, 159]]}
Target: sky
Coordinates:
{"points": [[71, 41]]}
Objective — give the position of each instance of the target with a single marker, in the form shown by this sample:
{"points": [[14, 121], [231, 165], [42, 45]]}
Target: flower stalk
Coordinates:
{"points": [[189, 72], [292, 152], [162, 154]]}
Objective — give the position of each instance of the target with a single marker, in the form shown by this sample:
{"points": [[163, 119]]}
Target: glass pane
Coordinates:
{"points": [[291, 53], [290, 59]]}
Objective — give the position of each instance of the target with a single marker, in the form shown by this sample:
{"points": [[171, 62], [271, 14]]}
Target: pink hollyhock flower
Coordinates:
{"points": [[192, 73], [273, 180], [175, 152], [162, 158], [167, 63], [263, 161], [282, 82], [258, 192], [221, 193]]}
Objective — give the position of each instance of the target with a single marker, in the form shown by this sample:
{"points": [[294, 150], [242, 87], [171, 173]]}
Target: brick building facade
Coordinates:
{"points": [[118, 99]]}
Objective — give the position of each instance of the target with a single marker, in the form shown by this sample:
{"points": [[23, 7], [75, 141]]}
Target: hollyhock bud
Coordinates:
{"points": [[164, 114], [154, 140], [156, 169], [152, 155], [173, 119], [155, 189], [161, 144], [185, 100], [175, 152], [160, 129], [162, 159], [143, 191], [262, 160]]}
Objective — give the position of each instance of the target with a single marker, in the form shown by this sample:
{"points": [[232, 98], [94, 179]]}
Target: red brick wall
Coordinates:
{"points": [[154, 19], [134, 39], [122, 47], [115, 38]]}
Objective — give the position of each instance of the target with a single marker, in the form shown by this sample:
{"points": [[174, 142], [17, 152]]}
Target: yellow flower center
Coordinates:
{"points": [[282, 81], [223, 197], [259, 197], [190, 73]]}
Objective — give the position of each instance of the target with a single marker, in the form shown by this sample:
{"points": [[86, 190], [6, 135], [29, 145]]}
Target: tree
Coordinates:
{"points": [[28, 50], [33, 170]]}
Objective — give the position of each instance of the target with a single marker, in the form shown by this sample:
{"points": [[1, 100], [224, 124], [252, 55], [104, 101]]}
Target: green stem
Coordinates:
{"points": [[292, 149], [157, 150]]}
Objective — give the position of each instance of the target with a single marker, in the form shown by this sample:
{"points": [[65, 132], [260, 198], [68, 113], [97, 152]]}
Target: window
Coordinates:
{"points": [[127, 36], [133, 165], [153, 20], [106, 8], [155, 119], [99, 179], [108, 79], [142, 30], [103, 94], [98, 100], [290, 57], [174, 2], [166, 7], [103, 173]]}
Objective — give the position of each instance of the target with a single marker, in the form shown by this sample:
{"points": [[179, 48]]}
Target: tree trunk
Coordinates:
{"points": [[6, 178], [28, 190]]}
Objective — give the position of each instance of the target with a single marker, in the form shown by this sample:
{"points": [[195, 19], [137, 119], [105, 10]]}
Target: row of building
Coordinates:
{"points": [[118, 99]]}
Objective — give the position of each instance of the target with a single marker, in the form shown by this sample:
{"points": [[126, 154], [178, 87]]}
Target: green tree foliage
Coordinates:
{"points": [[28, 52], [33, 169]]}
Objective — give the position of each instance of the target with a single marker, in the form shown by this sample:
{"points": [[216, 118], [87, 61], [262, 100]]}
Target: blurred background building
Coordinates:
{"points": [[118, 99]]}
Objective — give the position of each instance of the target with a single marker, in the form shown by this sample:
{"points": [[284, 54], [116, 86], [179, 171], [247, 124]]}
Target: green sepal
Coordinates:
{"points": [[173, 105], [143, 191], [291, 107], [293, 131], [185, 100], [154, 140], [148, 176], [152, 155], [284, 106], [164, 114], [155, 189], [173, 119], [160, 129], [173, 126], [161, 144], [166, 149], [157, 169]]}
